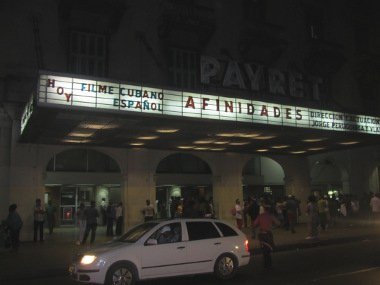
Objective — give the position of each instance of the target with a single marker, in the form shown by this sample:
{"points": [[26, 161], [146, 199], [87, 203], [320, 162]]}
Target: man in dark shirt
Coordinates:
{"points": [[91, 215]]}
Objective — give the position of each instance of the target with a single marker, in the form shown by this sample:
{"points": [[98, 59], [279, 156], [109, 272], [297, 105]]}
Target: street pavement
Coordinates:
{"points": [[52, 257]]}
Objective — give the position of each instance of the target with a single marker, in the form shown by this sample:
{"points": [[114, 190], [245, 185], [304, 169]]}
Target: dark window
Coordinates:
{"points": [[184, 68], [87, 53], [315, 20], [226, 230], [201, 230], [82, 160], [183, 163], [255, 10], [73, 160]]}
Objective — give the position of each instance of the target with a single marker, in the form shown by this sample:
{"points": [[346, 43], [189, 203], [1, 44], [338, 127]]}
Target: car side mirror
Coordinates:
{"points": [[151, 241]]}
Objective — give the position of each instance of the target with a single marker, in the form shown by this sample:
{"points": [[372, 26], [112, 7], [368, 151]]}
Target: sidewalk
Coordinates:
{"points": [[52, 257]]}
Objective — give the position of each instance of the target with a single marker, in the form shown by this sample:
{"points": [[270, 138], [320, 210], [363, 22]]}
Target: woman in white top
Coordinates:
{"points": [[239, 214]]}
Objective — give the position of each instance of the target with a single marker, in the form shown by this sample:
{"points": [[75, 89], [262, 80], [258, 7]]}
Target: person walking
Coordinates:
{"points": [[375, 207], [238, 214], [291, 210], [149, 211], [50, 216], [313, 219], [265, 222], [39, 219], [253, 212], [323, 212], [110, 214], [119, 218], [92, 215], [333, 205], [81, 220], [14, 224]]}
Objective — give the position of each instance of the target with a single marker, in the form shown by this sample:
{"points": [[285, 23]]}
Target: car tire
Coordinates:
{"points": [[121, 273], [225, 266]]}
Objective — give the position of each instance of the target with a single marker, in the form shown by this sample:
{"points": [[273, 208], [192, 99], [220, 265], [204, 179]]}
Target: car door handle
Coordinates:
{"points": [[217, 243], [180, 247]]}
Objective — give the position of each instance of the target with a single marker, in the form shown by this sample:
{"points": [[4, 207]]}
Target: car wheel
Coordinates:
{"points": [[225, 266], [122, 273]]}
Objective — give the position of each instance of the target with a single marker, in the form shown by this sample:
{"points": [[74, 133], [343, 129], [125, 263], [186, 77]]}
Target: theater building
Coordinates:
{"points": [[128, 100]]}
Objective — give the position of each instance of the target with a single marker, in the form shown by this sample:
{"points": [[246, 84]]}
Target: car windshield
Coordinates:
{"points": [[137, 232]]}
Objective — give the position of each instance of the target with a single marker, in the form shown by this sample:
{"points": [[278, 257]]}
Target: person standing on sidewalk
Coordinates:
{"points": [[110, 214], [323, 212], [313, 218], [291, 206], [14, 224], [265, 222], [149, 211], [81, 219], [119, 218], [253, 212], [238, 214], [50, 215], [92, 215], [39, 218], [375, 207]]}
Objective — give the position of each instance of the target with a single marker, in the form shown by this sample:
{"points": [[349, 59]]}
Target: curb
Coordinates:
{"points": [[315, 243]]}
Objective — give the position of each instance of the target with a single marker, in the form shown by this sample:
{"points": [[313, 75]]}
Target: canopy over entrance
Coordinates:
{"points": [[82, 111]]}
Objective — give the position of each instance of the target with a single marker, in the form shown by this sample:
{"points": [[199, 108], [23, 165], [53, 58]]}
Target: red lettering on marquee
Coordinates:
{"points": [[204, 103], [264, 111], [190, 103], [68, 96], [50, 83], [229, 106]]}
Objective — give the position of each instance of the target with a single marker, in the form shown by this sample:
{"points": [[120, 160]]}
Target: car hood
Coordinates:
{"points": [[108, 247]]}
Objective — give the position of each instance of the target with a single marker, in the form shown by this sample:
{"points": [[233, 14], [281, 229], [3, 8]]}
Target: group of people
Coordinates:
{"points": [[87, 220], [321, 212]]}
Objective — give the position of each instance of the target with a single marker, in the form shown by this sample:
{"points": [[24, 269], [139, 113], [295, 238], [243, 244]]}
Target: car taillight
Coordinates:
{"points": [[246, 245]]}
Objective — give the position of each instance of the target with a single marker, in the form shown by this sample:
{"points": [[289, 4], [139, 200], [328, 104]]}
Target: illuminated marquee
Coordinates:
{"points": [[99, 95]]}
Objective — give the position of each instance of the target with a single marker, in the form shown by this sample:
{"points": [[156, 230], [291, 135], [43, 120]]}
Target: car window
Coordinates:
{"points": [[226, 230], [168, 233], [201, 230], [137, 232]]}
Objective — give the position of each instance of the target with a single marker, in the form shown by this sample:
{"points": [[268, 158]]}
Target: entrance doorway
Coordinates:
{"points": [[67, 198], [77, 176], [263, 178], [182, 179]]}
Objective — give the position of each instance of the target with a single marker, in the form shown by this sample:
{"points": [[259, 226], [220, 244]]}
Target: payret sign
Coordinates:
{"points": [[57, 90]]}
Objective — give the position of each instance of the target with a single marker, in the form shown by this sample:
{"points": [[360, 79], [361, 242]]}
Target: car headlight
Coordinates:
{"points": [[87, 259]]}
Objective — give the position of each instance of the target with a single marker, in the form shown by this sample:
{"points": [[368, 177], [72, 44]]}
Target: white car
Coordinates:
{"points": [[165, 248]]}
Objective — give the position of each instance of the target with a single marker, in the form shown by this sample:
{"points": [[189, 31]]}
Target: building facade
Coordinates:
{"points": [[290, 56]]}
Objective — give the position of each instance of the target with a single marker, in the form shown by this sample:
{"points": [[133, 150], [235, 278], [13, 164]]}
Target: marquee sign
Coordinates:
{"points": [[97, 95]]}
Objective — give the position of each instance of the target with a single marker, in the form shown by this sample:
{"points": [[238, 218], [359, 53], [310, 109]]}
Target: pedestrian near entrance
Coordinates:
{"points": [[148, 211], [39, 218], [253, 213], [110, 214], [119, 218], [375, 207], [14, 224], [291, 211], [81, 219], [92, 215], [313, 218], [323, 212], [50, 216], [238, 214], [265, 222]]}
